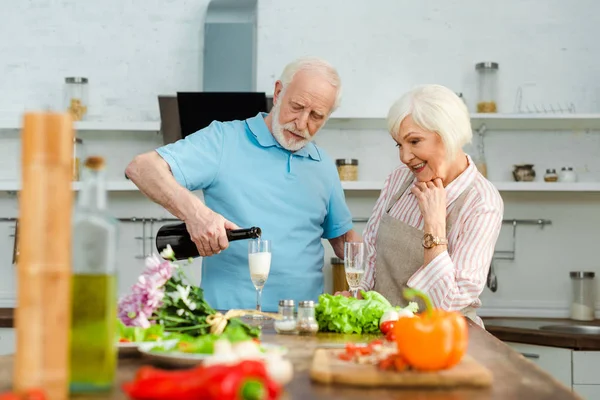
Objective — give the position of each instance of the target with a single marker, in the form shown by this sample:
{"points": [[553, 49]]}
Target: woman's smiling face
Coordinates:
{"points": [[422, 151]]}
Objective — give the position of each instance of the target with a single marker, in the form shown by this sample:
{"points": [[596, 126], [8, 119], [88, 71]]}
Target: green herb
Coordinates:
{"points": [[184, 310], [139, 334]]}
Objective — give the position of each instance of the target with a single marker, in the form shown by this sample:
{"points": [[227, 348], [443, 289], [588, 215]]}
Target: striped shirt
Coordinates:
{"points": [[456, 277]]}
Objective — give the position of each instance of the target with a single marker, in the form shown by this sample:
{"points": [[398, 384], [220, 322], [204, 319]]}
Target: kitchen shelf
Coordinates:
{"points": [[554, 122], [111, 186], [362, 185], [501, 186], [351, 186], [98, 126], [547, 186]]}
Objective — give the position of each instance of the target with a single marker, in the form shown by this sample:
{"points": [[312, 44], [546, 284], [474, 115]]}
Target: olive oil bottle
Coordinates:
{"points": [[93, 344]]}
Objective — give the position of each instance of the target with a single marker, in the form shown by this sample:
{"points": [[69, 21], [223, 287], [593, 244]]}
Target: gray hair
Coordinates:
{"points": [[317, 65], [434, 108]]}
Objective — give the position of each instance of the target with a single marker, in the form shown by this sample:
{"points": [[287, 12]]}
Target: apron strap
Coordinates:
{"points": [[399, 193]]}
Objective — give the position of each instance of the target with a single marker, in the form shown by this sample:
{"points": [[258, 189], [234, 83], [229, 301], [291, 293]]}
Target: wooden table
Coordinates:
{"points": [[514, 376]]}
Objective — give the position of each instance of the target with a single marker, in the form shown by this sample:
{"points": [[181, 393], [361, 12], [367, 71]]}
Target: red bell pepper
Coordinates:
{"points": [[247, 380]]}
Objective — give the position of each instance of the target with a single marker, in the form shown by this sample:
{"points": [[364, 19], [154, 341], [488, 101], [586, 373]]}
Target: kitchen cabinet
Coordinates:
{"points": [[575, 369], [555, 361], [7, 341], [586, 379], [587, 392], [585, 368]]}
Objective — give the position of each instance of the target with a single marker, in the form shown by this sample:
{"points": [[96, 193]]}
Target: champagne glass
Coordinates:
{"points": [[259, 261], [354, 265]]}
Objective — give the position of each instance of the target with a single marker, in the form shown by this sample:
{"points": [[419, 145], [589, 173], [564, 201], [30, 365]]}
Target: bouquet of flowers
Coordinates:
{"points": [[162, 296]]}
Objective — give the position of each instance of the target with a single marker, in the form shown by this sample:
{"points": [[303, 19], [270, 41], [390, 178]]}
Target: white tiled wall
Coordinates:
{"points": [[134, 50]]}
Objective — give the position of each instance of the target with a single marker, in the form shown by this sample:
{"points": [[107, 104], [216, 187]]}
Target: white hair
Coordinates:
{"points": [[434, 108], [316, 65]]}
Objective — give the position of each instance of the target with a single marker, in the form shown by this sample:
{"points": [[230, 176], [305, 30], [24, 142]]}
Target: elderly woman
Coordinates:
{"points": [[437, 219]]}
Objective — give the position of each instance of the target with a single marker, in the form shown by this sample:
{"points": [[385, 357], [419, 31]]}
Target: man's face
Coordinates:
{"points": [[301, 109]]}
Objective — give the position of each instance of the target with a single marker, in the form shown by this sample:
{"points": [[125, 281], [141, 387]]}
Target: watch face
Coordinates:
{"points": [[428, 241]]}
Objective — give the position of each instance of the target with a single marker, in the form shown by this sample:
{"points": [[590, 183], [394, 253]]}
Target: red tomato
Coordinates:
{"points": [[387, 326], [9, 396], [390, 336], [343, 356], [376, 343], [123, 340]]}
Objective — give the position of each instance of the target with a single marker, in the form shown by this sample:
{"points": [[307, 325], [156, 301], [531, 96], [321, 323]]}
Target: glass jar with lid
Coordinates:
{"points": [[287, 323], [487, 84], [307, 323], [567, 174], [76, 97], [551, 175], [583, 295], [78, 155], [347, 169]]}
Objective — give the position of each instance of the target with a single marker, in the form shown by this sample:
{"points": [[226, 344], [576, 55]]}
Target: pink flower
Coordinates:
{"points": [[160, 270], [150, 294], [147, 293], [130, 313]]}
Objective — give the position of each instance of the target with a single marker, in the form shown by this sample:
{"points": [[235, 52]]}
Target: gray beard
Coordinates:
{"points": [[279, 135]]}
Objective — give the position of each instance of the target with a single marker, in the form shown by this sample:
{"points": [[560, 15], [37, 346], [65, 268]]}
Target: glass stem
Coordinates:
{"points": [[258, 299]]}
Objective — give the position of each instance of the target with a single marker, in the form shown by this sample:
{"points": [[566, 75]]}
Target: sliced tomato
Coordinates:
{"points": [[387, 363], [365, 350], [342, 356], [9, 396], [123, 340], [351, 348], [399, 363], [377, 342], [387, 326]]}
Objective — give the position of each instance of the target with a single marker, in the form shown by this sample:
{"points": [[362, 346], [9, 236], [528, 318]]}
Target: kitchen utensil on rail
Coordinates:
{"points": [[492, 280]]}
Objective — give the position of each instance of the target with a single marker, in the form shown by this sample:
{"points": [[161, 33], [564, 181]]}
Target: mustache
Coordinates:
{"points": [[290, 126]]}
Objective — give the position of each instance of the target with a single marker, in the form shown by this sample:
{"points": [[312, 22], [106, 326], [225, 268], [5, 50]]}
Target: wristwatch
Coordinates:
{"points": [[430, 241]]}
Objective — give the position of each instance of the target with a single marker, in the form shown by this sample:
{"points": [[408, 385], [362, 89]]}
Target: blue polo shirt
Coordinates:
{"points": [[295, 198]]}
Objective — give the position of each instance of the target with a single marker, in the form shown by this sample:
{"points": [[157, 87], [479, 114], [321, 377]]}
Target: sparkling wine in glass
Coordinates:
{"points": [[259, 261], [354, 265]]}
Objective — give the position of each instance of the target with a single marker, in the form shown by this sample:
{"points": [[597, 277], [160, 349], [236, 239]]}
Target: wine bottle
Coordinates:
{"points": [[179, 238]]}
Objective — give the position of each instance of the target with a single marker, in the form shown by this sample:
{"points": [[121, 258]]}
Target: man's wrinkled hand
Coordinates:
{"points": [[208, 232]]}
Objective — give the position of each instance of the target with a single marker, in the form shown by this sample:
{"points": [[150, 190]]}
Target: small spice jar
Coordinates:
{"points": [[347, 169], [551, 175], [76, 97], [487, 87], [287, 323], [307, 323], [583, 295], [567, 175], [78, 154]]}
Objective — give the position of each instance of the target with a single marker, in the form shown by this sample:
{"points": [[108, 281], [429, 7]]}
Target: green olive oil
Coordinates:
{"points": [[93, 335]]}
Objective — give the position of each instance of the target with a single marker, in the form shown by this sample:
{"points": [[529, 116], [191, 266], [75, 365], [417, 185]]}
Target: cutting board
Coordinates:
{"points": [[327, 368]]}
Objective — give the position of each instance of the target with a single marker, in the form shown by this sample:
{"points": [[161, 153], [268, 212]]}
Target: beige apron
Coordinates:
{"points": [[400, 252]]}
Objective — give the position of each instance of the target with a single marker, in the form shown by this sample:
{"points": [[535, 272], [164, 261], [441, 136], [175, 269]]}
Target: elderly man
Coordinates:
{"points": [[264, 171]]}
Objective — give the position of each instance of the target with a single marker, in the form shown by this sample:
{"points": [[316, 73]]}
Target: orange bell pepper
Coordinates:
{"points": [[434, 339]]}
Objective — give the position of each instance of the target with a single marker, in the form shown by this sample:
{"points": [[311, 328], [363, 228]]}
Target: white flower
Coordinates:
{"points": [[167, 253]]}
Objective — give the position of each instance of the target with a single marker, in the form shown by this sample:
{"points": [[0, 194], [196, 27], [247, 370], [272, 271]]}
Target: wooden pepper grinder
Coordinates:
{"points": [[42, 316]]}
